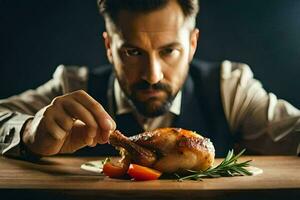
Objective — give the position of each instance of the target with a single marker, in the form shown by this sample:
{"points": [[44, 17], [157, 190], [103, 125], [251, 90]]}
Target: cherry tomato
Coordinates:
{"points": [[141, 173], [115, 170]]}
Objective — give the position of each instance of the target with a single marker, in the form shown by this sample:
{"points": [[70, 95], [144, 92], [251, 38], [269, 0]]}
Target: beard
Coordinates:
{"points": [[152, 106]]}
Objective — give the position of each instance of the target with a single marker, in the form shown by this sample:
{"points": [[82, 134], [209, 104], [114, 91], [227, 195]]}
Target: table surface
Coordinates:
{"points": [[62, 176]]}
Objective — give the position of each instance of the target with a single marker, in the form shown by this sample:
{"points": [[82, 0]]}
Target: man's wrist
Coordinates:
{"points": [[25, 151]]}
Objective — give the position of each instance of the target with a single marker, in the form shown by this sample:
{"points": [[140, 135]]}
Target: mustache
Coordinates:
{"points": [[144, 85]]}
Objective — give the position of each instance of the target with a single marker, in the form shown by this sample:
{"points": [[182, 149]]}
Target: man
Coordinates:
{"points": [[152, 82]]}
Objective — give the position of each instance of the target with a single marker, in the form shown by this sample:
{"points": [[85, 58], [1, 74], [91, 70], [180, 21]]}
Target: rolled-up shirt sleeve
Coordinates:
{"points": [[10, 132], [262, 123]]}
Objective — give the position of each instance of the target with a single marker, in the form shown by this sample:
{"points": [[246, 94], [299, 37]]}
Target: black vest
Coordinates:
{"points": [[201, 107]]}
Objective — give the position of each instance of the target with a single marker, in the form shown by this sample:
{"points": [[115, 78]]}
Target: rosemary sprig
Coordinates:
{"points": [[228, 167]]}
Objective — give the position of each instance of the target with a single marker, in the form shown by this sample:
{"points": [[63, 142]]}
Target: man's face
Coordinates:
{"points": [[151, 54]]}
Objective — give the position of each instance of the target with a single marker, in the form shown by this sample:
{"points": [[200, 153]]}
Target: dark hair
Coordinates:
{"points": [[110, 9]]}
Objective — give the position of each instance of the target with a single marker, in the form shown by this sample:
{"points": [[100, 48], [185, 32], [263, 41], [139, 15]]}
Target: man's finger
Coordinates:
{"points": [[101, 116], [99, 137], [78, 111], [64, 120], [55, 130]]}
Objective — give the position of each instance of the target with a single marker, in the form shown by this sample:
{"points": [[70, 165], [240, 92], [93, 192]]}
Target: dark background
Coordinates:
{"points": [[36, 36]]}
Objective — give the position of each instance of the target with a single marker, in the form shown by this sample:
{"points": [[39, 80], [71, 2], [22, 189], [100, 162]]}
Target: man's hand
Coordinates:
{"points": [[69, 123]]}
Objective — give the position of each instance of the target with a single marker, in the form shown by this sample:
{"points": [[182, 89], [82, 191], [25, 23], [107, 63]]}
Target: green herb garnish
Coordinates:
{"points": [[228, 167], [107, 159]]}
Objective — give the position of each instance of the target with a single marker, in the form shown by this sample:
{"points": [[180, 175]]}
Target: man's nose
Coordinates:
{"points": [[153, 72]]}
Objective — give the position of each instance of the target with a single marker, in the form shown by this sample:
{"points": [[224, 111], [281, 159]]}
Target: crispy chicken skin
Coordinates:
{"points": [[138, 153], [167, 149]]}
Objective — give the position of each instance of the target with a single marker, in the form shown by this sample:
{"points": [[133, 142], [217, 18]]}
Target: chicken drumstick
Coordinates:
{"points": [[167, 149]]}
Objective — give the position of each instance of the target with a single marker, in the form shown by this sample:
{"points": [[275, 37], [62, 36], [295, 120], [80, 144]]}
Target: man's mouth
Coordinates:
{"points": [[150, 93]]}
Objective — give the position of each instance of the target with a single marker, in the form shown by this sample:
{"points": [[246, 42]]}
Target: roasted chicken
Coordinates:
{"points": [[166, 149]]}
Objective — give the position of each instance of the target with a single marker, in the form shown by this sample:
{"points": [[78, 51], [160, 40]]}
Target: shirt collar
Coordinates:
{"points": [[123, 106]]}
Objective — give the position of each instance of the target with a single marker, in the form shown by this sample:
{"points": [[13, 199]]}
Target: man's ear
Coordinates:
{"points": [[107, 42], [194, 41]]}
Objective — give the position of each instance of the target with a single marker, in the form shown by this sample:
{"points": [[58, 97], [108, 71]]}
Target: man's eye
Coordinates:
{"points": [[132, 52], [167, 51]]}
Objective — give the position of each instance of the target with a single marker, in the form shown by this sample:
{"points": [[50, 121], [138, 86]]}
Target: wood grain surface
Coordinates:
{"points": [[61, 178]]}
